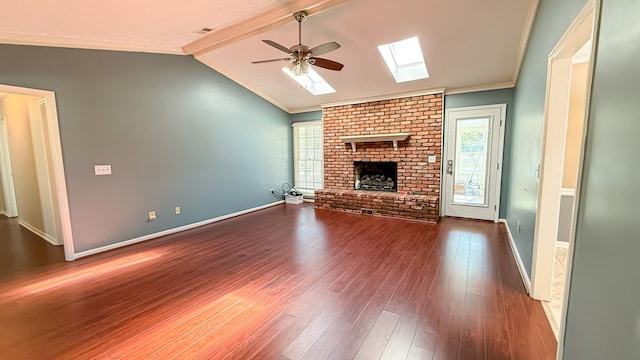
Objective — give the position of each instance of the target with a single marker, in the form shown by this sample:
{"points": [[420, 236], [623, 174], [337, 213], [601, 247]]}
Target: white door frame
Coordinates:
{"points": [[553, 140], [583, 28], [55, 148], [445, 154], [6, 173]]}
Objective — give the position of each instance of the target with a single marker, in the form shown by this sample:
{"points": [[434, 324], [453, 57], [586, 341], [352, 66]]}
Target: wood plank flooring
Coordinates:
{"points": [[289, 282], [21, 250]]}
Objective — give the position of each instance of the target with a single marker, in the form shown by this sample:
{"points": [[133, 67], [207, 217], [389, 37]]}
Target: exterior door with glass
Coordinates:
{"points": [[473, 145]]}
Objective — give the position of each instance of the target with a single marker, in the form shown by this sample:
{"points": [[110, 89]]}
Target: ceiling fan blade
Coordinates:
{"points": [[270, 60], [277, 46], [327, 64], [325, 48]]}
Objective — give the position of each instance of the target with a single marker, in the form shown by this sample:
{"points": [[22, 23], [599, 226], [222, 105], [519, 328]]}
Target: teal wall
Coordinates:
{"points": [[491, 97], [603, 314], [175, 132], [306, 116], [525, 148]]}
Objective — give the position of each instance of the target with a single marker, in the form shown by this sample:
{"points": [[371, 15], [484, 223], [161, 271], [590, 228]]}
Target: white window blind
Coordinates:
{"points": [[308, 157]]}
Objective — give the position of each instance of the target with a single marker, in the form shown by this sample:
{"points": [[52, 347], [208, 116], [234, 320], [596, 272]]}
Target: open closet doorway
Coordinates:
{"points": [[31, 168], [568, 89]]}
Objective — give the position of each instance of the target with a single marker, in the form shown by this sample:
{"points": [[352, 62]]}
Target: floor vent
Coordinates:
{"points": [[366, 211]]}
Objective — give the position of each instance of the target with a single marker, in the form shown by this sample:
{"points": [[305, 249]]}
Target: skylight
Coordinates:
{"points": [[404, 59], [311, 81]]}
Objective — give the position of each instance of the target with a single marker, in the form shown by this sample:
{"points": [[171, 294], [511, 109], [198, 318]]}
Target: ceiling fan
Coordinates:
{"points": [[301, 56]]}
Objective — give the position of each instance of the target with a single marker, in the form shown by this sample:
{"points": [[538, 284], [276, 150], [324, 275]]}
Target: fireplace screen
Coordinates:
{"points": [[375, 176]]}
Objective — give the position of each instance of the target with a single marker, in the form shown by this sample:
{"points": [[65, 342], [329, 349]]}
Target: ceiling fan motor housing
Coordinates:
{"points": [[301, 52]]}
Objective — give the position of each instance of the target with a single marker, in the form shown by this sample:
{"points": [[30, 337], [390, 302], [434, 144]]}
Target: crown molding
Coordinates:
{"points": [[524, 40], [247, 86], [304, 110], [385, 97], [272, 17], [40, 40], [470, 89]]}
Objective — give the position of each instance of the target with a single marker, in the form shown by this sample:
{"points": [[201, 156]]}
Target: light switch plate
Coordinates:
{"points": [[432, 158], [103, 170]]}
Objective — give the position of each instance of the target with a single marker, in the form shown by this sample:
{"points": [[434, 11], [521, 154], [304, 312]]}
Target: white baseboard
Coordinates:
{"points": [[562, 244], [523, 273], [552, 320], [172, 231], [38, 232]]}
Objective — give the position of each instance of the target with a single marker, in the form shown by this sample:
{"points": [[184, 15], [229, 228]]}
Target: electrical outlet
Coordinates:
{"points": [[177, 210], [519, 227], [101, 170], [152, 215]]}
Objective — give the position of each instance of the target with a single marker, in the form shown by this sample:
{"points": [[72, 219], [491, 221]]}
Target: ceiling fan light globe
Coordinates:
{"points": [[299, 67], [304, 68], [295, 68]]}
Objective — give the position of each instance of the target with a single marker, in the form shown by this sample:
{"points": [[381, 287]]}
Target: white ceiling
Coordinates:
{"points": [[467, 44]]}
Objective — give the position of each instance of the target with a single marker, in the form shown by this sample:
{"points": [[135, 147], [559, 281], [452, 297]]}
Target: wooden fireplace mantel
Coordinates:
{"points": [[394, 137]]}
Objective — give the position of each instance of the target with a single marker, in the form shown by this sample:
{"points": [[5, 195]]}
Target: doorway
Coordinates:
{"points": [[473, 146], [9, 206], [568, 85], [40, 131]]}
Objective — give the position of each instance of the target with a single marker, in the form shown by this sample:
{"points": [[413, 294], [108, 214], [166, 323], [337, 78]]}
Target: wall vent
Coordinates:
{"points": [[366, 211]]}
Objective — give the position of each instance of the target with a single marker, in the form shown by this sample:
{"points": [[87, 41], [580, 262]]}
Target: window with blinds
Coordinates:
{"points": [[307, 149]]}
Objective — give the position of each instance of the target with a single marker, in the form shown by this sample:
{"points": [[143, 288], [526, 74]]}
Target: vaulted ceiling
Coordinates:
{"points": [[467, 44]]}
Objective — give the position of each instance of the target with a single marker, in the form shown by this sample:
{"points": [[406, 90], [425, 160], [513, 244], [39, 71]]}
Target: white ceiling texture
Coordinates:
{"points": [[467, 44]]}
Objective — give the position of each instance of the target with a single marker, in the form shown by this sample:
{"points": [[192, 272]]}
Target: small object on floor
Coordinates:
{"points": [[293, 199]]}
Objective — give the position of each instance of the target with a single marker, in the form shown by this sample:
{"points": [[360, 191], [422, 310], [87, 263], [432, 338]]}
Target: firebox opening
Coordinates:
{"points": [[376, 176]]}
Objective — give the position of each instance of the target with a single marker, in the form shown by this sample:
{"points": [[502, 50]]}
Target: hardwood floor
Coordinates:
{"points": [[289, 282], [23, 250]]}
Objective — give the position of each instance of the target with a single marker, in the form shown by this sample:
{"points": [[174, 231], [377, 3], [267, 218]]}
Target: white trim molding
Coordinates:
{"points": [[523, 273], [552, 320], [173, 231], [524, 40], [567, 192], [38, 232], [556, 105], [40, 40], [385, 97], [472, 89]]}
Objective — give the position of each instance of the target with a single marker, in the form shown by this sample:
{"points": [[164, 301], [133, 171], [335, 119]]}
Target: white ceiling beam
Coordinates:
{"points": [[275, 16]]}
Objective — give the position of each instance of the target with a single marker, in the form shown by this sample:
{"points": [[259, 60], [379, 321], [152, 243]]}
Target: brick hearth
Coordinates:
{"points": [[418, 180]]}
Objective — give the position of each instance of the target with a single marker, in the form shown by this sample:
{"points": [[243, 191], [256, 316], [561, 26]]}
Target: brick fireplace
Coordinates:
{"points": [[417, 185]]}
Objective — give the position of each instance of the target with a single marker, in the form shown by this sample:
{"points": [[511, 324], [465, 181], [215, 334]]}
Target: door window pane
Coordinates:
{"points": [[471, 160]]}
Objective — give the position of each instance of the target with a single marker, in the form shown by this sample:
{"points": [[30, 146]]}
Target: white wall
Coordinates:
{"points": [[23, 159], [40, 140]]}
